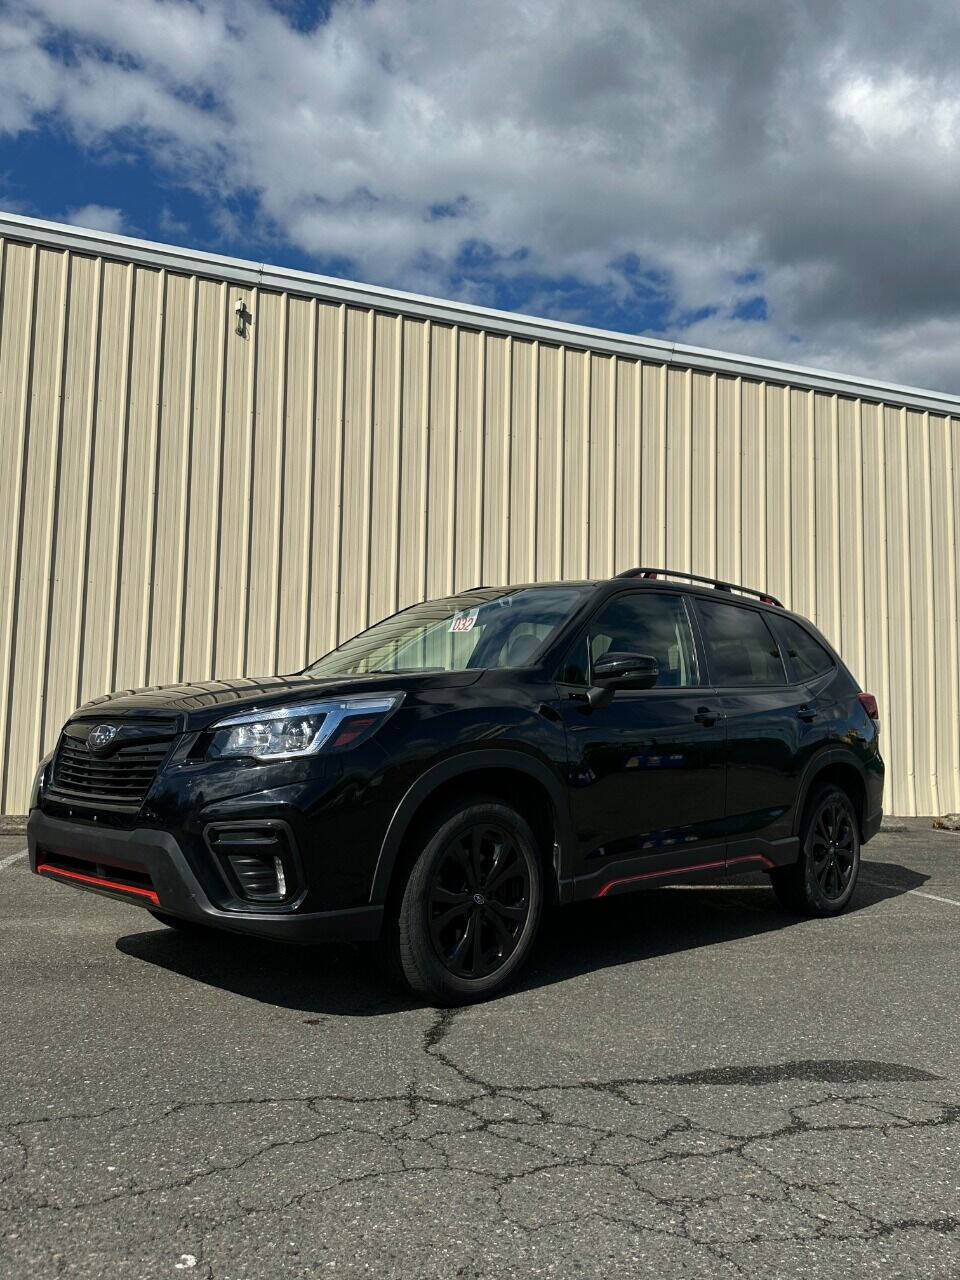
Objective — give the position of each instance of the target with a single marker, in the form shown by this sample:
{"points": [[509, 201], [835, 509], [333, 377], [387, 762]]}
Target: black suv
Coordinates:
{"points": [[434, 781]]}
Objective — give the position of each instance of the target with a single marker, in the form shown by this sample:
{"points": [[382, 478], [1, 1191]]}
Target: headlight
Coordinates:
{"points": [[303, 730]]}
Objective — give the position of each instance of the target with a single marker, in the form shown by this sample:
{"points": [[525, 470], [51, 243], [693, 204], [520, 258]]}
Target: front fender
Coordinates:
{"points": [[460, 766]]}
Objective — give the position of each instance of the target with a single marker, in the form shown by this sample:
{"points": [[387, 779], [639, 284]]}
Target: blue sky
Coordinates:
{"points": [[770, 178], [45, 173]]}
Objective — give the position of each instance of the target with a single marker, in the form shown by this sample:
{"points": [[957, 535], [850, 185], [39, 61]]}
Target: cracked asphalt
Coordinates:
{"points": [[687, 1083]]}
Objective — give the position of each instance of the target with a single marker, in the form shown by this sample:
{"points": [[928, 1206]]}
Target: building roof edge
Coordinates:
{"points": [[247, 273]]}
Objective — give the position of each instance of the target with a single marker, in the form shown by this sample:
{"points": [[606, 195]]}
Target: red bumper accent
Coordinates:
{"points": [[679, 871], [45, 869]]}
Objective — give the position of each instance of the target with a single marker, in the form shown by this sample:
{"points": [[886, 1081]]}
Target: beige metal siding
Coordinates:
{"points": [[182, 502]]}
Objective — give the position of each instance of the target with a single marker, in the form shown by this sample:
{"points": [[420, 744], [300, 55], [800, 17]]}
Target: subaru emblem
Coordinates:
{"points": [[100, 737]]}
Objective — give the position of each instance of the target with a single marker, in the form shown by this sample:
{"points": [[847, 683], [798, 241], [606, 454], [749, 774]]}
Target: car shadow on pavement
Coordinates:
{"points": [[658, 922], [347, 978]]}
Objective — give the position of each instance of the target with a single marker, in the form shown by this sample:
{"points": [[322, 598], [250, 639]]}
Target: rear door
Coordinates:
{"points": [[646, 771], [766, 715]]}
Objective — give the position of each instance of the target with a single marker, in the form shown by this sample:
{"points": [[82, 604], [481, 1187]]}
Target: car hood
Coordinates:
{"points": [[199, 704]]}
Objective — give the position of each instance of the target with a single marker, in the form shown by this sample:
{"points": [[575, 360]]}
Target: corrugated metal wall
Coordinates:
{"points": [[182, 502]]}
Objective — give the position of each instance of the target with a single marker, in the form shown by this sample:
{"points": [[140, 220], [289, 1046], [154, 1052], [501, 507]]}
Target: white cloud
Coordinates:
{"points": [[99, 217], [169, 224], [902, 111], [812, 143]]}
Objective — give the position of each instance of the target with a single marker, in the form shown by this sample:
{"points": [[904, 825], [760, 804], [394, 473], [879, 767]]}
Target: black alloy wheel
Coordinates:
{"points": [[470, 909], [479, 901], [822, 881], [833, 848]]}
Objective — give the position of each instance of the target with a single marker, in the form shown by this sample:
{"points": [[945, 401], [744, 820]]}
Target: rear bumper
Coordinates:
{"points": [[871, 825], [147, 868]]}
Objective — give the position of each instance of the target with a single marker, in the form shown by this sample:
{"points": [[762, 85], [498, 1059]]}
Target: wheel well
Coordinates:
{"points": [[519, 790], [846, 777]]}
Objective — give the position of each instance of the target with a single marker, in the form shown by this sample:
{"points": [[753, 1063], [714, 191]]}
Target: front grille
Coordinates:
{"points": [[136, 877], [96, 875], [120, 779]]}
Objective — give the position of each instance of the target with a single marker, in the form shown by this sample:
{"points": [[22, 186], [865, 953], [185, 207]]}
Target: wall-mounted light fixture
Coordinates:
{"points": [[243, 316]]}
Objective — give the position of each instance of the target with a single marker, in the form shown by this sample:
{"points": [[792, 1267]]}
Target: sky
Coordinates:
{"points": [[767, 178]]}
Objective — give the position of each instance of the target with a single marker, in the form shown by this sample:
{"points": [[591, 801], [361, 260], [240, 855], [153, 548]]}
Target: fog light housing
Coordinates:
{"points": [[257, 860]]}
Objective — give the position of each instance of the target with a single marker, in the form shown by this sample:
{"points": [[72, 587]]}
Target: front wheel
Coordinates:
{"points": [[822, 881], [471, 906]]}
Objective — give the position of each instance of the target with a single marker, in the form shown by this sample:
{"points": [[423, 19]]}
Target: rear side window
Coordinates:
{"points": [[639, 622], [740, 646], [806, 656]]}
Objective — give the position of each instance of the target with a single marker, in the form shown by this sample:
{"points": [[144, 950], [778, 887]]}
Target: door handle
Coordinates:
{"points": [[806, 713], [705, 716]]}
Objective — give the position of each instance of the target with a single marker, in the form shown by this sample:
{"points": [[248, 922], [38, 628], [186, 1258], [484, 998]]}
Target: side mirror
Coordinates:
{"points": [[615, 671]]}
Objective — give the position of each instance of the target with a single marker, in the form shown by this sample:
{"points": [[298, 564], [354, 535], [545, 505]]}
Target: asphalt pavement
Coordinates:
{"points": [[686, 1083]]}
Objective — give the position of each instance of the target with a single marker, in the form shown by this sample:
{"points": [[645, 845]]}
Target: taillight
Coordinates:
{"points": [[869, 704]]}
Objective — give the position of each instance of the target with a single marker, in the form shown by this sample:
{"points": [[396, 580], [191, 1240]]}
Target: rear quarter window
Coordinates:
{"points": [[805, 655]]}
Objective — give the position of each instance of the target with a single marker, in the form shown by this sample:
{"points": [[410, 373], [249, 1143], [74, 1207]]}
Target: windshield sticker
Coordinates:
{"points": [[464, 620]]}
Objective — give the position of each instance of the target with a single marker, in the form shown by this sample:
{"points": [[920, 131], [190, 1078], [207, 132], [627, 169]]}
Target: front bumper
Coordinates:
{"points": [[147, 867]]}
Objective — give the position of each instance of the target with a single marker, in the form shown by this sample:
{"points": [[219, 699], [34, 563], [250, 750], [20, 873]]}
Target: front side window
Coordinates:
{"points": [[806, 656], [739, 644], [494, 627], [644, 621]]}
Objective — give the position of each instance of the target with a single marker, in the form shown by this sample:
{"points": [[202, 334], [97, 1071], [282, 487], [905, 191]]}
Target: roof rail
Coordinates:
{"points": [[644, 571]]}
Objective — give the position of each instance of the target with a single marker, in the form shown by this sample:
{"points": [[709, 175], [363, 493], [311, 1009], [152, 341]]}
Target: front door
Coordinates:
{"points": [[646, 772]]}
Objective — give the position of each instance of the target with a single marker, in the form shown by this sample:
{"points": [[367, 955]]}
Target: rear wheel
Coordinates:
{"points": [[471, 907], [822, 881]]}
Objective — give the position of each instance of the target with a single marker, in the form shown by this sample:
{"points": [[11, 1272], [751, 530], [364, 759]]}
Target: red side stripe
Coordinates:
{"points": [[677, 871], [752, 857], [47, 870]]}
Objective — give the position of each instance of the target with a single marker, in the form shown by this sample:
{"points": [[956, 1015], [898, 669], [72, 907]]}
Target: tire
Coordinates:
{"points": [[822, 881], [470, 909], [182, 926]]}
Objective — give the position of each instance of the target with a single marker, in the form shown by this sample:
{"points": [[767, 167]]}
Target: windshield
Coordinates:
{"points": [[493, 627]]}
